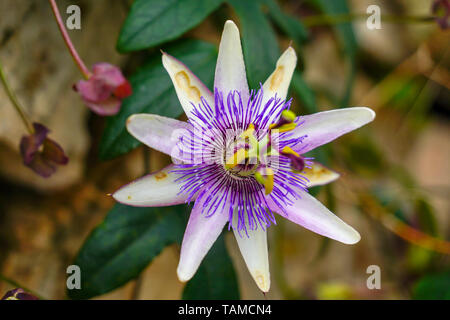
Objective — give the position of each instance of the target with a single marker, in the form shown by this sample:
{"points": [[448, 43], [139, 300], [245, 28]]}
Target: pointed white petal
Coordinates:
{"points": [[254, 251], [153, 190], [201, 233], [157, 132], [230, 69], [319, 175], [323, 127], [278, 82], [188, 87], [311, 214]]}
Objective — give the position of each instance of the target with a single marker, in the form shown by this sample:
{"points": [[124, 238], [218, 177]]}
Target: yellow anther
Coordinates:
{"points": [[287, 127], [268, 185], [249, 132], [237, 158], [288, 150], [248, 136], [259, 177], [286, 120], [288, 115], [266, 179]]}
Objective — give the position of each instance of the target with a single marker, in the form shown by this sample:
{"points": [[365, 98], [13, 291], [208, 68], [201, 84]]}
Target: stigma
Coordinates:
{"points": [[252, 150]]}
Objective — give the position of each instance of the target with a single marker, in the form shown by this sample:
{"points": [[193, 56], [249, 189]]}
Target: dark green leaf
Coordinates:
{"points": [[215, 279], [347, 38], [290, 25], [364, 156], [261, 50], [433, 287], [153, 92], [259, 42], [344, 30], [304, 92], [123, 245], [426, 216], [151, 22]]}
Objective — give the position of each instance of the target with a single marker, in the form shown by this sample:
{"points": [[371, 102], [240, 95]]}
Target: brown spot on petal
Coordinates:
{"points": [[260, 280], [318, 174], [183, 81], [129, 197], [277, 78], [160, 175]]}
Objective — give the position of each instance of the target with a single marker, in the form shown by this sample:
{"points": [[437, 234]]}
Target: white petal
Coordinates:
{"points": [[278, 82], [153, 190], [319, 175], [311, 214], [254, 251], [157, 132], [201, 233], [230, 69], [188, 87], [323, 127]]}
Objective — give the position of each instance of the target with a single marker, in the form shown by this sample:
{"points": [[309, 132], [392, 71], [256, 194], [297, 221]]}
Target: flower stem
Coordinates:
{"points": [[318, 20], [18, 285], [76, 58], [14, 101], [401, 229]]}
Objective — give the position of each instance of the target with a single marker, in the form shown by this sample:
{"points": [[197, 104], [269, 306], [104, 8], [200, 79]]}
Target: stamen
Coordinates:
{"points": [[297, 162], [288, 150], [286, 121], [287, 127], [242, 154], [237, 158], [249, 136], [288, 115], [265, 178], [249, 132]]}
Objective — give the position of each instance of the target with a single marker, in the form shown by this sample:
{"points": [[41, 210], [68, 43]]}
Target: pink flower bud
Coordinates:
{"points": [[104, 90]]}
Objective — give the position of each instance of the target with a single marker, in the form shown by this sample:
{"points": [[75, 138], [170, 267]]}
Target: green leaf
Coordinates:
{"points": [[347, 38], [259, 42], [215, 278], [152, 22], [426, 216], [153, 92], [304, 92], [290, 25], [261, 50], [433, 287], [123, 245]]}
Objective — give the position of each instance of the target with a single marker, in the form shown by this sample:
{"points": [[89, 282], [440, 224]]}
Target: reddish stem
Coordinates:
{"points": [[84, 70]]}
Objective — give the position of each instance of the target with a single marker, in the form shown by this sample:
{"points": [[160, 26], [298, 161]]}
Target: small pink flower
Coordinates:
{"points": [[104, 90], [40, 153]]}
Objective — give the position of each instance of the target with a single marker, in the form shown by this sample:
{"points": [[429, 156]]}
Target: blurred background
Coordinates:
{"points": [[395, 172]]}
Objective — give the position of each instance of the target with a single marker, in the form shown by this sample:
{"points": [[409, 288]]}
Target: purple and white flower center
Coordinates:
{"points": [[236, 154]]}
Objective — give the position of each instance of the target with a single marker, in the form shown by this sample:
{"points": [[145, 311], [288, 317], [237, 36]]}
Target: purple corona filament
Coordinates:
{"points": [[204, 149]]}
